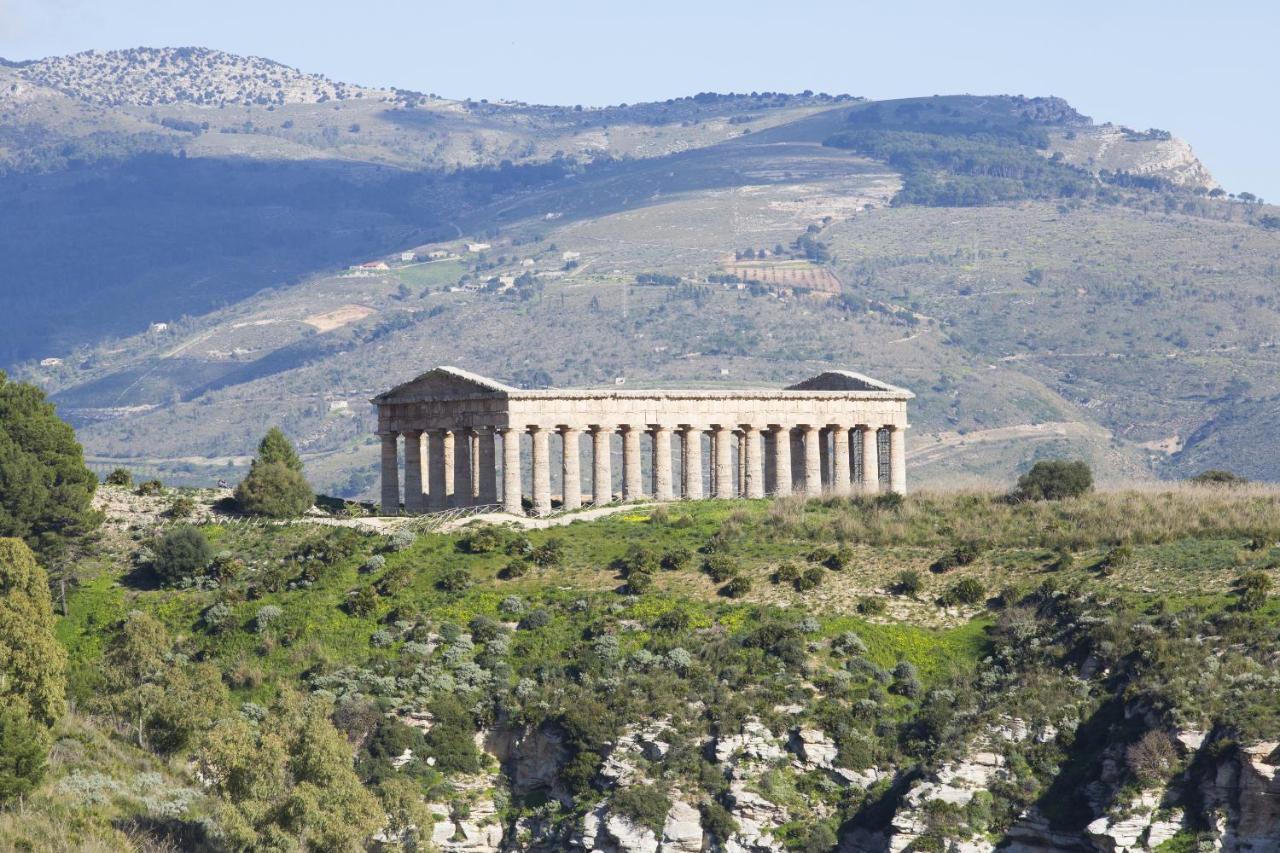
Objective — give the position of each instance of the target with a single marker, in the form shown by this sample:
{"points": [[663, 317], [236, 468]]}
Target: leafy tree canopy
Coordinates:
{"points": [[32, 663], [183, 552], [1054, 479], [46, 491], [274, 490]]}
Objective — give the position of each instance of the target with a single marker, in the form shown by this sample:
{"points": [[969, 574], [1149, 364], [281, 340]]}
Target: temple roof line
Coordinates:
{"points": [[453, 383]]}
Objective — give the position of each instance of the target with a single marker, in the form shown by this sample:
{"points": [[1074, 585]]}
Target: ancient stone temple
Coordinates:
{"points": [[839, 432]]}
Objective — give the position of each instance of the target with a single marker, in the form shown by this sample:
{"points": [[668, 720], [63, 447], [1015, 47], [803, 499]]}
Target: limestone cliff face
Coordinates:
{"points": [[1114, 149]]}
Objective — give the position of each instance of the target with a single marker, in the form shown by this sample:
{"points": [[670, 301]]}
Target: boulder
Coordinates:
{"points": [[682, 833]]}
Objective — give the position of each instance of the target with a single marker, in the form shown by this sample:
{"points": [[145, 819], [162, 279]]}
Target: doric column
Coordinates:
{"points": [[722, 458], [812, 460], [571, 468], [390, 474], [414, 502], [473, 441], [781, 459], [898, 459], [691, 462], [742, 462], [795, 439], [752, 463], [870, 460], [824, 453], [601, 465], [511, 471], [487, 472], [440, 470], [632, 488], [840, 458], [662, 463], [462, 493], [541, 471]]}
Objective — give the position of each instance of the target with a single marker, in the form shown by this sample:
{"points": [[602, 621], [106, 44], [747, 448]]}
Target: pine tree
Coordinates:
{"points": [[276, 447], [46, 491], [32, 663]]}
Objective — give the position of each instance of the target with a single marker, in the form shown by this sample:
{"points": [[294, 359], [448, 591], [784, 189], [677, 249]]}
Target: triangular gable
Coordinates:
{"points": [[841, 380], [445, 383]]}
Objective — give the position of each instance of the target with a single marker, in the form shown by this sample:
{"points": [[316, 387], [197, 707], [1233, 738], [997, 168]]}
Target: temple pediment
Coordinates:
{"points": [[841, 380], [445, 383]]}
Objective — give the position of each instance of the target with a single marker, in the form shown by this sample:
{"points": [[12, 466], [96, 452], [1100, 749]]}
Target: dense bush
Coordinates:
{"points": [[1252, 589], [962, 555], [274, 490], [515, 569], [644, 805], [676, 559], [737, 586], [455, 579], [964, 591], [120, 477], [1217, 477], [1054, 479], [183, 552], [908, 582], [484, 539], [24, 750], [549, 554], [150, 488], [810, 578], [719, 567]]}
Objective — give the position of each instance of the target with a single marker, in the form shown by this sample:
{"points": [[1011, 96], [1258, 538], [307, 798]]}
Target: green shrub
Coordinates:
{"points": [[362, 601], [396, 578], [888, 502], [455, 579], [183, 552], [1117, 558], [964, 591], [787, 573], [451, 738], [719, 567], [218, 617], [484, 539], [908, 582], [870, 606], [1252, 588], [812, 578], [674, 621], [549, 554], [150, 488], [24, 750], [120, 477], [1218, 477], [717, 820], [1054, 479], [535, 619], [514, 569], [638, 559], [676, 559], [906, 679], [639, 582], [274, 490], [182, 507], [267, 614], [961, 555], [737, 587], [644, 805]]}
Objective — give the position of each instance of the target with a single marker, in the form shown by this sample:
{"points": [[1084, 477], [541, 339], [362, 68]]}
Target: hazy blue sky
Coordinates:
{"points": [[1205, 71]]}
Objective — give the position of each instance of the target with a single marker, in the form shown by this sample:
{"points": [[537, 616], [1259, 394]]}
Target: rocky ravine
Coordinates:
{"points": [[1232, 798]]}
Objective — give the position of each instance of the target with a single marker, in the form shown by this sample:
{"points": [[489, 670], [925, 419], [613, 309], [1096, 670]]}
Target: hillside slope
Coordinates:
{"points": [[1071, 676], [1045, 284]]}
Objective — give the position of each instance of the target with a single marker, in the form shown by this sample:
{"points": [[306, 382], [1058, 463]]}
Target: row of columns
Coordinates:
{"points": [[452, 468]]}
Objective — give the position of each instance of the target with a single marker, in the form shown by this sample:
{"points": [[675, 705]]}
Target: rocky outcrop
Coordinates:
{"points": [[476, 832], [1244, 799], [530, 758]]}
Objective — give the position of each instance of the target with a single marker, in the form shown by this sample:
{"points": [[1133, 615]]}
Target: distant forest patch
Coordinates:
{"points": [[965, 152]]}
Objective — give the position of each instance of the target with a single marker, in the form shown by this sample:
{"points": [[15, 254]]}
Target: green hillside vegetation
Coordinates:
{"points": [[368, 626]]}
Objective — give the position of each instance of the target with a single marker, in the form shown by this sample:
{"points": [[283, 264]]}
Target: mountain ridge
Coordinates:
{"points": [[987, 250]]}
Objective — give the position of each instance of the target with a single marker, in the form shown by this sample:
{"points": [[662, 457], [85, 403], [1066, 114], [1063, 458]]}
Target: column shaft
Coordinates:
{"points": [[541, 471], [462, 494], [795, 441], [722, 458], [840, 454], [870, 460], [601, 465], [390, 475], [632, 487], [753, 463], [662, 463], [782, 460], [440, 469], [414, 499], [488, 470], [511, 471], [742, 460], [812, 461], [691, 462], [571, 469], [898, 460], [824, 452]]}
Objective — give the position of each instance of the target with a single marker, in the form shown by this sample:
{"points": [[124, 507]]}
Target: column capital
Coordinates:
{"points": [[598, 428], [389, 433]]}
